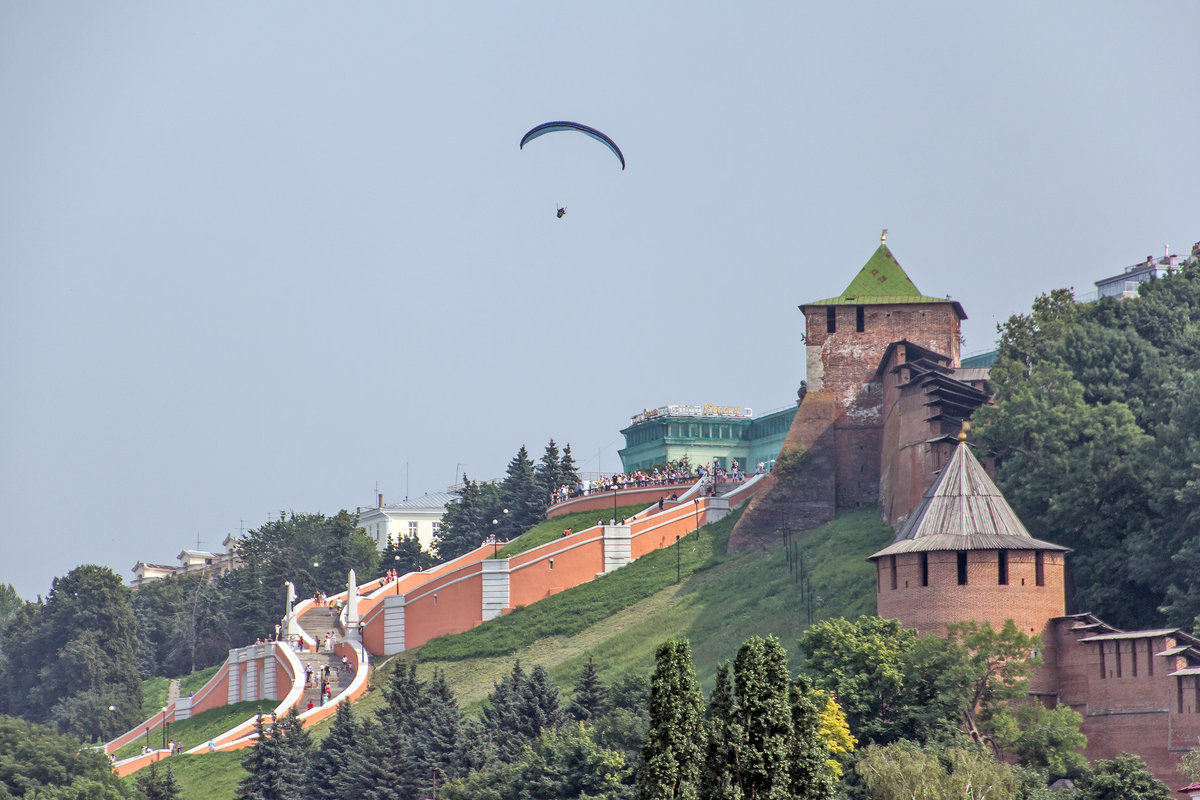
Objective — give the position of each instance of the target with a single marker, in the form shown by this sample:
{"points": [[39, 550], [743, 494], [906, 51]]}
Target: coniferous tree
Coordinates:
{"points": [[333, 756], [435, 745], [379, 768], [761, 738], [548, 473], [403, 694], [262, 765], [591, 696], [716, 782], [674, 748], [295, 747], [567, 468], [502, 715], [278, 762], [519, 494], [539, 708], [468, 520], [477, 752], [156, 785]]}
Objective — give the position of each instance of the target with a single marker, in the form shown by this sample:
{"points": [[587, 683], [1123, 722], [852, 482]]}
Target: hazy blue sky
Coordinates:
{"points": [[264, 256]]}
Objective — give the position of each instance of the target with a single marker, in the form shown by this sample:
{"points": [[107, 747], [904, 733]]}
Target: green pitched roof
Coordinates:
{"points": [[881, 281]]}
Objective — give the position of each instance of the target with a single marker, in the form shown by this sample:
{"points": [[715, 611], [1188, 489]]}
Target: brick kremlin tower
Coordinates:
{"points": [[877, 339], [964, 555]]}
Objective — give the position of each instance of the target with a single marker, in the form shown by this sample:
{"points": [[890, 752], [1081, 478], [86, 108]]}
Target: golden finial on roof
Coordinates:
{"points": [[966, 427], [883, 236]]}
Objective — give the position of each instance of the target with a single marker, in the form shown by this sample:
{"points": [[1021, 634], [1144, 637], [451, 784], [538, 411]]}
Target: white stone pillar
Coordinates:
{"points": [[718, 509], [393, 624], [617, 547], [495, 587]]}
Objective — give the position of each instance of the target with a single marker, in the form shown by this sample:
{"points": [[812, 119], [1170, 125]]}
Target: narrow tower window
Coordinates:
{"points": [[1117, 656], [962, 568], [1103, 669], [830, 319], [924, 569], [860, 320], [893, 558], [1002, 564], [1133, 657], [1039, 568], [1149, 656]]}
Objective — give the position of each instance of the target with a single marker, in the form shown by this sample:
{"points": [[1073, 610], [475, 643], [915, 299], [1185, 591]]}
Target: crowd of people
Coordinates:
{"points": [[669, 475]]}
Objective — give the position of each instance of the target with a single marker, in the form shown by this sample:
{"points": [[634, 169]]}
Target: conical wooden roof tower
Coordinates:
{"points": [[963, 510], [963, 555]]}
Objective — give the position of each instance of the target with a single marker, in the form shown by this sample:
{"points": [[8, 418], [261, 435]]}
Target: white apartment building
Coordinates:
{"points": [[419, 516]]}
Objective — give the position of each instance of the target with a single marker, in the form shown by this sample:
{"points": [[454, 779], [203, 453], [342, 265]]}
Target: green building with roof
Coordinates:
{"points": [[704, 434]]}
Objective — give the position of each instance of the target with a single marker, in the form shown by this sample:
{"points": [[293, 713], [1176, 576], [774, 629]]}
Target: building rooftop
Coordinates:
{"points": [[963, 510], [882, 281], [429, 501], [1104, 637]]}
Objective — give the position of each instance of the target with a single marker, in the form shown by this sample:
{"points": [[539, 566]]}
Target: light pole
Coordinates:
{"points": [[495, 535], [163, 725], [396, 558], [697, 514], [614, 516], [677, 559]]}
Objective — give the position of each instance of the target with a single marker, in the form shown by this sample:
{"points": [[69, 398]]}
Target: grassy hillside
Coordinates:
{"points": [[200, 728], [619, 619], [552, 529], [211, 776]]}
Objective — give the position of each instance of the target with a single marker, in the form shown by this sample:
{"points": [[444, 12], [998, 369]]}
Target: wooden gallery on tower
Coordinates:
{"points": [[880, 420]]}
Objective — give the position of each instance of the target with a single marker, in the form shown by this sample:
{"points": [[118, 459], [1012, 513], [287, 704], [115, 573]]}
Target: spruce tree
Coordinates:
{"points": [[379, 768], [468, 520], [590, 695], [567, 468], [502, 715], [294, 748], [548, 473], [262, 765], [674, 748], [403, 694], [519, 494], [477, 751], [435, 744], [539, 706], [333, 756], [155, 785]]}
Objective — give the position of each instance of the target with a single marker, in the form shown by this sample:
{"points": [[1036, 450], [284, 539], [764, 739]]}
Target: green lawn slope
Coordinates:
{"points": [[211, 776], [552, 529], [200, 728], [619, 619]]}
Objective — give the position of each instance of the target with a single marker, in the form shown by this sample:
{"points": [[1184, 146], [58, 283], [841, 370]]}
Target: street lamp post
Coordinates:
{"points": [[163, 725], [696, 514], [677, 559], [396, 558], [614, 516], [495, 537]]}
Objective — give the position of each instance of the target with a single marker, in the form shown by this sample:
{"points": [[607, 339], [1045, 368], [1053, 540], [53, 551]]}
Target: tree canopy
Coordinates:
{"points": [[1096, 433]]}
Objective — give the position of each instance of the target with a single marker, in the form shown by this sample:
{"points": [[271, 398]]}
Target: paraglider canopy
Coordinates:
{"points": [[562, 125]]}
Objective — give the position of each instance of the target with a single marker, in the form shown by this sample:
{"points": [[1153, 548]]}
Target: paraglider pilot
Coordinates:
{"points": [[562, 211]]}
